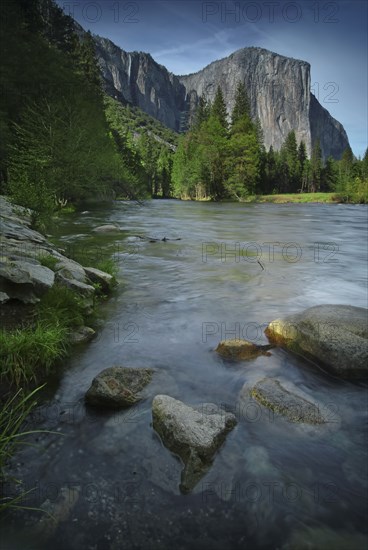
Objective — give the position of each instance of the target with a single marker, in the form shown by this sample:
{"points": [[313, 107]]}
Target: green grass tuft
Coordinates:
{"points": [[108, 266], [60, 306], [48, 260], [26, 351]]}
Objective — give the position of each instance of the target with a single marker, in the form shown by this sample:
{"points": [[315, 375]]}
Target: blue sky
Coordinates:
{"points": [[187, 35]]}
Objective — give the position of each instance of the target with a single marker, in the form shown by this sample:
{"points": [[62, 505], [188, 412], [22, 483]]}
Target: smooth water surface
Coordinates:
{"points": [[273, 484]]}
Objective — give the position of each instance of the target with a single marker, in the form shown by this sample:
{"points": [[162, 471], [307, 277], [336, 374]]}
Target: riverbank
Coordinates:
{"points": [[294, 198], [48, 302], [46, 299]]}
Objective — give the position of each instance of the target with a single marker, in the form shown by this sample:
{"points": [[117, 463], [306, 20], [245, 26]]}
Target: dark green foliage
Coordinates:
{"points": [[61, 306], [202, 113], [146, 148], [241, 105], [212, 162], [24, 351], [218, 109], [57, 146]]}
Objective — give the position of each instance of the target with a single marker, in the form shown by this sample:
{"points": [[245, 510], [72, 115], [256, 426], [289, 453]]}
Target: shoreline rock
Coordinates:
{"points": [[22, 275]]}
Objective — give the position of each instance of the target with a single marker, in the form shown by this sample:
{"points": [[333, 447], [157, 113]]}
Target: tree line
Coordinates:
{"points": [[219, 160]]}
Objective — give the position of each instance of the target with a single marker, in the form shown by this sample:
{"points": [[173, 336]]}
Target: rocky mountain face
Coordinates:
{"points": [[278, 88], [136, 78]]}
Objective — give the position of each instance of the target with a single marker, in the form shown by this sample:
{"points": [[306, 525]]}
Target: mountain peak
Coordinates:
{"points": [[278, 88]]}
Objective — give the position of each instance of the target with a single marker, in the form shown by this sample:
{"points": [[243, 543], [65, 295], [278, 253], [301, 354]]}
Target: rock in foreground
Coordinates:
{"points": [[270, 393], [118, 387], [193, 433], [334, 335], [239, 350]]}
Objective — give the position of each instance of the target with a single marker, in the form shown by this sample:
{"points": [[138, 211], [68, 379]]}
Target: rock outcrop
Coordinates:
{"points": [[192, 433], [118, 387], [335, 336], [278, 89], [24, 251], [136, 78]]}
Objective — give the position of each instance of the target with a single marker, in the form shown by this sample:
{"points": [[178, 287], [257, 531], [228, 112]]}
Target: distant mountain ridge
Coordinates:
{"points": [[278, 88]]}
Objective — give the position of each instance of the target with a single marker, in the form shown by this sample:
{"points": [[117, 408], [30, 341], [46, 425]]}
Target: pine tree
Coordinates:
{"points": [[241, 106], [270, 179], [202, 113], [316, 168], [218, 109], [243, 163], [302, 157], [291, 157], [364, 165], [329, 175], [86, 60], [164, 164]]}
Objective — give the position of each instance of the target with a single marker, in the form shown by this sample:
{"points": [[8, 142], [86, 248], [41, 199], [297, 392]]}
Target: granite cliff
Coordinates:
{"points": [[278, 88]]}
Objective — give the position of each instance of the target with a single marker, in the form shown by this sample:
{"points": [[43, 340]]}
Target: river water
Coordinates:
{"points": [[273, 484]]}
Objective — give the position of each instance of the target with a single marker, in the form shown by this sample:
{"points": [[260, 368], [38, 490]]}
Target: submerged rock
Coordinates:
{"points": [[334, 335], [270, 393], [106, 228], [241, 349], [57, 511], [117, 387], [192, 433], [324, 538]]}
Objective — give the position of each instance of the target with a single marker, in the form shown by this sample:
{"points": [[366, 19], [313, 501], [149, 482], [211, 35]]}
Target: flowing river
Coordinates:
{"points": [[273, 484]]}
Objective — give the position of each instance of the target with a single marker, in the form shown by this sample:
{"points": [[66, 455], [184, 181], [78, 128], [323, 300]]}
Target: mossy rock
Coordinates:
{"points": [[271, 394], [118, 387], [240, 350]]}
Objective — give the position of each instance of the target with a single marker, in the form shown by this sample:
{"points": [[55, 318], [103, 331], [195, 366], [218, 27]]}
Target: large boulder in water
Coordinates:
{"points": [[336, 336], [118, 387], [192, 433]]}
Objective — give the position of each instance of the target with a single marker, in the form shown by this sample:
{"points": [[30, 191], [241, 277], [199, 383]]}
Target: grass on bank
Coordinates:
{"points": [[24, 351], [298, 198], [29, 351], [48, 260]]}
